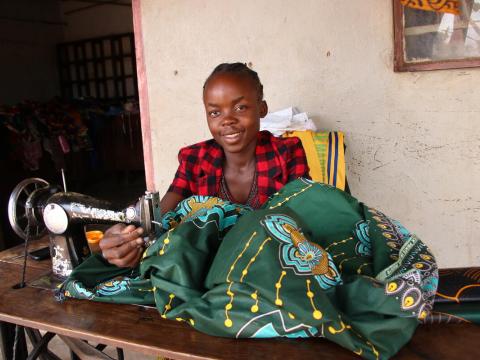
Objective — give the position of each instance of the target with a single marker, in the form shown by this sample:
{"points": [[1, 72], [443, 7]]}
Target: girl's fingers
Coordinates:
{"points": [[119, 252], [128, 229], [136, 260], [115, 229], [114, 240], [128, 261]]}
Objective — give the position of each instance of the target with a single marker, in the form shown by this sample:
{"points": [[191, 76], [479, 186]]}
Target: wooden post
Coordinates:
{"points": [[143, 95]]}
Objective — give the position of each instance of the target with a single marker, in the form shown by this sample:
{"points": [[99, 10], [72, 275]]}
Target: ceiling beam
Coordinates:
{"points": [[94, 3], [33, 21], [102, 2]]}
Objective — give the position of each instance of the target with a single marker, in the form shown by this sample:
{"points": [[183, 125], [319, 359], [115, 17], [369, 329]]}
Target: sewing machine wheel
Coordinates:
{"points": [[18, 213]]}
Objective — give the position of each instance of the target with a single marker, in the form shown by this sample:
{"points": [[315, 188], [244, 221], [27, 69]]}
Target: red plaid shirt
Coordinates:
{"points": [[279, 161]]}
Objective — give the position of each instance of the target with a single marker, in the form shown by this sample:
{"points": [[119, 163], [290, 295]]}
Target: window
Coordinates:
{"points": [[102, 68], [429, 40]]}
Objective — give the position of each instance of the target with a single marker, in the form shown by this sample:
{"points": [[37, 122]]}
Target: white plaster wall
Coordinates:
{"points": [[413, 138]]}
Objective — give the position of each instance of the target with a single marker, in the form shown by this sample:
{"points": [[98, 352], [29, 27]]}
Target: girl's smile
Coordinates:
{"points": [[233, 112]]}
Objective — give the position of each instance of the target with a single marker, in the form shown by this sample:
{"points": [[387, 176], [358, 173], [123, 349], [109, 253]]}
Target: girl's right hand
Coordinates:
{"points": [[122, 245]]}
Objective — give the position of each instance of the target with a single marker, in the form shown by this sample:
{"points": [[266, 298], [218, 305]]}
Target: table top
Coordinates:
{"points": [[141, 329]]}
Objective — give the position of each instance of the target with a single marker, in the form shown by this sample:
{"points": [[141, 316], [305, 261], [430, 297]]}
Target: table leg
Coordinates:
{"points": [[7, 338], [84, 350], [40, 345], [120, 354]]}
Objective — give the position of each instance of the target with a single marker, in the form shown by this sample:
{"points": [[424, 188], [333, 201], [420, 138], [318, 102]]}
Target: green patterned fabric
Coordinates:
{"points": [[313, 262], [450, 313]]}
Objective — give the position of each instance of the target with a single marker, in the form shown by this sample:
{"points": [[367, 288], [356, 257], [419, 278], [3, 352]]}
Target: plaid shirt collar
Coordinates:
{"points": [[212, 163]]}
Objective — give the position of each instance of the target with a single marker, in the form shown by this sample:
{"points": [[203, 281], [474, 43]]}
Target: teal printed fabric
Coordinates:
{"points": [[313, 262]]}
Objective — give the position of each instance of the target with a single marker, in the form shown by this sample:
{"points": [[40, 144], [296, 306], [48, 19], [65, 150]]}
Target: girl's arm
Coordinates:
{"points": [[170, 201]]}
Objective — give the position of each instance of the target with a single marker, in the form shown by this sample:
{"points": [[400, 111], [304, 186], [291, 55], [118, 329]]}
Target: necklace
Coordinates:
{"points": [[252, 199]]}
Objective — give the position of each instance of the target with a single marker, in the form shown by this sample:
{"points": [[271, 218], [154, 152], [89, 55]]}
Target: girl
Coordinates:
{"points": [[240, 164]]}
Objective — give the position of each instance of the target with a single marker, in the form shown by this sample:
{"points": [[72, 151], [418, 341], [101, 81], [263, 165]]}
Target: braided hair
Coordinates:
{"points": [[240, 69]]}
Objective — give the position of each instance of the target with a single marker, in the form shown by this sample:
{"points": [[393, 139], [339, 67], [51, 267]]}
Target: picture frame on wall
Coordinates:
{"points": [[436, 34]]}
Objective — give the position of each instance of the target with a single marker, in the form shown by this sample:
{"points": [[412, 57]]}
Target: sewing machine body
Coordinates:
{"points": [[35, 207]]}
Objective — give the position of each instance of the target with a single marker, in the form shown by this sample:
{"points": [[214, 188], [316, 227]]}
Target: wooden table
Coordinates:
{"points": [[142, 329]]}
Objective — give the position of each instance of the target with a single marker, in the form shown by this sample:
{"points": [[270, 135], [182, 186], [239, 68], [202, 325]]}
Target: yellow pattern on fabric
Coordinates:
{"points": [[278, 286], [168, 306], [292, 196], [443, 6], [340, 266], [335, 243], [252, 260], [298, 238], [359, 270], [228, 322], [322, 148], [190, 321], [254, 307], [147, 290], [166, 241], [317, 314], [240, 255], [375, 352], [456, 297], [342, 328], [197, 206]]}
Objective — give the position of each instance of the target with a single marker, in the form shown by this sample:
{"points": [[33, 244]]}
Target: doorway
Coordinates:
{"points": [[69, 100]]}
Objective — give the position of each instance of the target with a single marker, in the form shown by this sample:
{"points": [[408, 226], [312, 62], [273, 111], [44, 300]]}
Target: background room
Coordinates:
{"points": [[69, 99]]}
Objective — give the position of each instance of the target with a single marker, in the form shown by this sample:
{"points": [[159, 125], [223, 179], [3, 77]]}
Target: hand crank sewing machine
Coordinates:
{"points": [[35, 206]]}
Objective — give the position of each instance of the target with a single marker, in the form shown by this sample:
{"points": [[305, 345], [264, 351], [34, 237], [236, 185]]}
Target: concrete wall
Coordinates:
{"points": [[29, 30], [413, 138], [97, 21]]}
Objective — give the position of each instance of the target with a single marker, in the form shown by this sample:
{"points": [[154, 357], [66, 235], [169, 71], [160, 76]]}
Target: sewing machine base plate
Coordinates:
{"points": [[47, 281]]}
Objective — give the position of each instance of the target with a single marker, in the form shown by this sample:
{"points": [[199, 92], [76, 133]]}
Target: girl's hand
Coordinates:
{"points": [[122, 245]]}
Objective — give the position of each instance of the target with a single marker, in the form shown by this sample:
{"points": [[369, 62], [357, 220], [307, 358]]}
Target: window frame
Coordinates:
{"points": [[399, 63]]}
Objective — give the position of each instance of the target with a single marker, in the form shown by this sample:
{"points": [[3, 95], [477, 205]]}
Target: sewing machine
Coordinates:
{"points": [[36, 207]]}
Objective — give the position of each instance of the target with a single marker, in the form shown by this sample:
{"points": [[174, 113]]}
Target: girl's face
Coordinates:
{"points": [[233, 111]]}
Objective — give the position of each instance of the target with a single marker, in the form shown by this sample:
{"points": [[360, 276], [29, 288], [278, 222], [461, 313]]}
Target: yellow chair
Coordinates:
{"points": [[325, 152]]}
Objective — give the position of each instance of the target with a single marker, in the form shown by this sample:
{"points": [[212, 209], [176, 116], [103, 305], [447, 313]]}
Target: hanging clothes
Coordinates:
{"points": [[443, 6]]}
